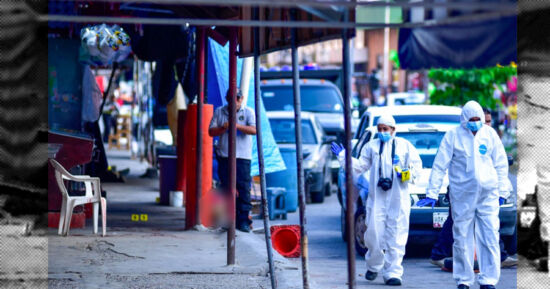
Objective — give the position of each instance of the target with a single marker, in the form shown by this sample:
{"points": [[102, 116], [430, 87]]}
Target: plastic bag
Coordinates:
{"points": [[102, 44]]}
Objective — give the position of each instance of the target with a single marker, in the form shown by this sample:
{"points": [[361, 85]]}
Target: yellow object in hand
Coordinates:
{"points": [[403, 174]]}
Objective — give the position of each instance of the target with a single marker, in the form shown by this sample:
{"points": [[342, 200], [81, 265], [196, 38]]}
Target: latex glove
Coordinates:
{"points": [[501, 201], [426, 202], [336, 148], [545, 231]]}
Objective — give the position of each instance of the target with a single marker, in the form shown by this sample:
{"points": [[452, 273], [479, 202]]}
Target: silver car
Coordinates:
{"points": [[316, 153]]}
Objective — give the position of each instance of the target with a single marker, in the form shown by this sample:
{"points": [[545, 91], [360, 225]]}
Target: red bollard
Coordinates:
{"points": [[286, 240], [190, 157]]}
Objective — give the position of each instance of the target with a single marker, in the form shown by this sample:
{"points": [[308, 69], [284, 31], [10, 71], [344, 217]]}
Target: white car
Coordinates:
{"points": [[431, 114], [405, 98]]}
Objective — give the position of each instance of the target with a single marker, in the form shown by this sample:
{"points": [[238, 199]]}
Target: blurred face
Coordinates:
{"points": [[488, 119], [238, 102], [385, 128], [475, 118]]}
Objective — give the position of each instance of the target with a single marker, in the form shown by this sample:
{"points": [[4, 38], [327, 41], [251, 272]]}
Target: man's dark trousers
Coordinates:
{"points": [[243, 205]]}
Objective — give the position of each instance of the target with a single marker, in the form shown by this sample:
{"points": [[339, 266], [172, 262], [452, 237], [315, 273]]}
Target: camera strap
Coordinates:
{"points": [[380, 157]]}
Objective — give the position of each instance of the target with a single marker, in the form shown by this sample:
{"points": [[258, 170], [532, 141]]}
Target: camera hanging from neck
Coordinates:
{"points": [[380, 158]]}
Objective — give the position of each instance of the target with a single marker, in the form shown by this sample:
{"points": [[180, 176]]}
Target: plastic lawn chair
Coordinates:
{"points": [[93, 195]]}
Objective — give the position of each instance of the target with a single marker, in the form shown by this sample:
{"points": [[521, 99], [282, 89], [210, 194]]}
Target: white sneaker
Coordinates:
{"points": [[438, 263], [510, 261]]}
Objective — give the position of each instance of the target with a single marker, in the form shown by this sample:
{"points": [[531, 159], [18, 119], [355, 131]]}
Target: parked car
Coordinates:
{"points": [[318, 96], [425, 222], [405, 98], [316, 154]]}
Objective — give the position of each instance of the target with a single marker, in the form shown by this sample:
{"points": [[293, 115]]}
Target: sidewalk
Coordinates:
{"points": [[156, 253]]}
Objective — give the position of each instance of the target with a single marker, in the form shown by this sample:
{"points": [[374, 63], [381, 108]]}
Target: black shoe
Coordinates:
{"points": [[462, 286], [244, 228], [370, 275], [487, 287], [541, 264], [393, 282]]}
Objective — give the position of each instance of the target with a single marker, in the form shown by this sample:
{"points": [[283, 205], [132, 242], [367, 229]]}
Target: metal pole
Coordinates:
{"points": [[270, 23], [347, 128], [246, 70], [340, 4], [232, 162], [259, 144], [138, 96], [299, 156], [200, 42], [386, 63]]}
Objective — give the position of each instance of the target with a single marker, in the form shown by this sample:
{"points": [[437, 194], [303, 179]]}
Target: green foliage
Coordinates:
{"points": [[457, 86], [395, 58]]}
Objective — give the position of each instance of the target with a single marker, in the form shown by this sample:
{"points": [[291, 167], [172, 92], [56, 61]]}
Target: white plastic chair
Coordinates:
{"points": [[93, 195]]}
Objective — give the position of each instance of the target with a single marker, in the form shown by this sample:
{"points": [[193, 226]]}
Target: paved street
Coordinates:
{"points": [[328, 264]]}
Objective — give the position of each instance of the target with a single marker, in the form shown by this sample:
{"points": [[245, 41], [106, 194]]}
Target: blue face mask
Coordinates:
{"points": [[384, 136], [474, 125]]}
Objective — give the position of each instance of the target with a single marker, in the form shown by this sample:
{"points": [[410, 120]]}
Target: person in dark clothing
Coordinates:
{"points": [[246, 126]]}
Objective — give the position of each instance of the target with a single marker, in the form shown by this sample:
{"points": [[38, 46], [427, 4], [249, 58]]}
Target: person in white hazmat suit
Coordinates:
{"points": [[388, 204], [478, 172]]}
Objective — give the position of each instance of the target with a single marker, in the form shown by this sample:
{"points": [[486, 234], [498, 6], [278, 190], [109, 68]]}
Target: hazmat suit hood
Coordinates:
{"points": [[388, 120], [471, 109]]}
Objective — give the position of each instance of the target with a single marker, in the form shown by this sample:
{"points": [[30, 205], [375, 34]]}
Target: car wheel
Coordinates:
{"points": [[328, 189], [318, 197], [328, 185], [343, 227], [360, 229], [308, 193]]}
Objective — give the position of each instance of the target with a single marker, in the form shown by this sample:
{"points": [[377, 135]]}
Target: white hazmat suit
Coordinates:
{"points": [[478, 172], [387, 212]]}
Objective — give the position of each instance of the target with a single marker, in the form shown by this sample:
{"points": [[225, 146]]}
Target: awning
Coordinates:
{"points": [[278, 38], [465, 45], [154, 42]]}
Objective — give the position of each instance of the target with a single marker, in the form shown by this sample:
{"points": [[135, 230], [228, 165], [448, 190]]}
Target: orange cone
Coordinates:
{"points": [[285, 239]]}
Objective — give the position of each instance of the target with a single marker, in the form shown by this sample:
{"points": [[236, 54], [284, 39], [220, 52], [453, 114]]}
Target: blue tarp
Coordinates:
{"points": [[218, 83]]}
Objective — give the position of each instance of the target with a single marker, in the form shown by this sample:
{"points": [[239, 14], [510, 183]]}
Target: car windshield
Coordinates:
{"points": [[426, 143], [314, 98], [284, 131], [416, 118]]}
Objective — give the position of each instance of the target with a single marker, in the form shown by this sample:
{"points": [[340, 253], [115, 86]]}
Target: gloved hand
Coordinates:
{"points": [[501, 201], [426, 202], [336, 148]]}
